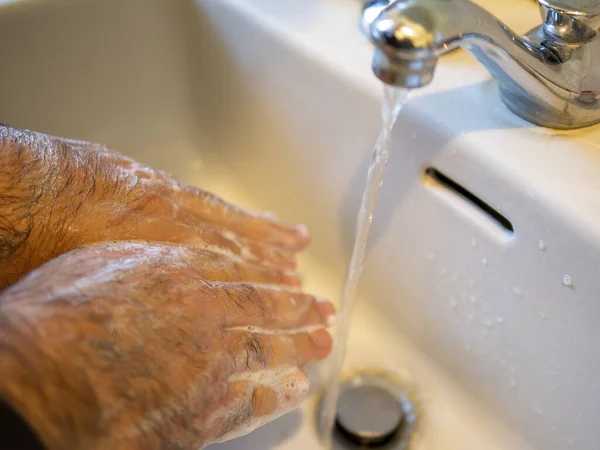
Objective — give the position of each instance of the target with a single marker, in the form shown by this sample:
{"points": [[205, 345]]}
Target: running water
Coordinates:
{"points": [[393, 100]]}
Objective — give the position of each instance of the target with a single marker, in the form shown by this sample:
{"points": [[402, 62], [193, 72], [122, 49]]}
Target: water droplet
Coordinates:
{"points": [[517, 291], [471, 282], [431, 256], [538, 411], [468, 347], [443, 271], [513, 382], [543, 315], [542, 245], [453, 303], [484, 261], [414, 136], [567, 281], [473, 299], [470, 317], [500, 319], [532, 195], [487, 322], [473, 242], [570, 441]]}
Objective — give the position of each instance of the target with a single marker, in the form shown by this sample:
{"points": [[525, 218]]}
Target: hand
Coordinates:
{"points": [[57, 195], [147, 346]]}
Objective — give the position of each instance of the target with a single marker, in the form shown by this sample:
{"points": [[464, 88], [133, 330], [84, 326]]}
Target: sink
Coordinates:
{"points": [[481, 286]]}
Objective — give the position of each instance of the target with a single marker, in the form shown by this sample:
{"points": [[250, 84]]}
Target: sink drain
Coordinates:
{"points": [[373, 411], [369, 414]]}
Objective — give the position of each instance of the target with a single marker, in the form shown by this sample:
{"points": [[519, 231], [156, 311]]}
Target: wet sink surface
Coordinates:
{"points": [[263, 103]]}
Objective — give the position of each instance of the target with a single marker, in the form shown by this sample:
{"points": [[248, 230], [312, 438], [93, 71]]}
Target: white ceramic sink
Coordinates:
{"points": [[271, 104]]}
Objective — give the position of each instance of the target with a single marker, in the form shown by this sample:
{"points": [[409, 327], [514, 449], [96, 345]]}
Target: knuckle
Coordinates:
{"points": [[250, 351], [248, 299]]}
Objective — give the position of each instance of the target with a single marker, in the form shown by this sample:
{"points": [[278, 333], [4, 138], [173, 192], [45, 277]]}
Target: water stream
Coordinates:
{"points": [[393, 100]]}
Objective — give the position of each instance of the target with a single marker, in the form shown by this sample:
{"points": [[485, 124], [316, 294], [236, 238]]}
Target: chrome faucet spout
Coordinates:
{"points": [[550, 76]]}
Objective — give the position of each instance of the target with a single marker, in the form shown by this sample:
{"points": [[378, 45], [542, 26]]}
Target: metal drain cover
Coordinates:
{"points": [[375, 410], [369, 414]]}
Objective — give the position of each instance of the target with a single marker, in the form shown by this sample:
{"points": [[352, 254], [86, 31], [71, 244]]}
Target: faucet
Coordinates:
{"points": [[550, 76]]}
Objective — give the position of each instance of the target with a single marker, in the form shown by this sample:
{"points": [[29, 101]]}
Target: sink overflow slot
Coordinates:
{"points": [[438, 179]]}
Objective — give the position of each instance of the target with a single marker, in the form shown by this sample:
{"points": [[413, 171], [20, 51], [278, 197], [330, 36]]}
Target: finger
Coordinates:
{"points": [[273, 308], [168, 224], [168, 227], [243, 247], [212, 266], [256, 399], [261, 227], [256, 351], [259, 252]]}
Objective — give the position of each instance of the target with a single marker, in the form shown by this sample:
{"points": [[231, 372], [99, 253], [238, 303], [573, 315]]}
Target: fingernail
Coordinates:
{"points": [[327, 311], [270, 215], [331, 320], [325, 308], [291, 278], [321, 339], [303, 233], [302, 230]]}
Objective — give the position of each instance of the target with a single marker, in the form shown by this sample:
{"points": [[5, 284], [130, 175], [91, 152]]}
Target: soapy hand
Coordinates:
{"points": [[59, 194], [147, 346]]}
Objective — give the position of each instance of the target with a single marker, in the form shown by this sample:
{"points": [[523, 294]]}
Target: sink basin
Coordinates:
{"points": [[481, 288]]}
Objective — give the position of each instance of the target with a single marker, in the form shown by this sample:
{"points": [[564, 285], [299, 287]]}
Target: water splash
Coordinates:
{"points": [[394, 99], [567, 281], [453, 303], [517, 291]]}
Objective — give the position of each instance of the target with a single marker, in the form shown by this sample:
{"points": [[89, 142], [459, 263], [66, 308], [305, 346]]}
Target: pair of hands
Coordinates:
{"points": [[152, 315]]}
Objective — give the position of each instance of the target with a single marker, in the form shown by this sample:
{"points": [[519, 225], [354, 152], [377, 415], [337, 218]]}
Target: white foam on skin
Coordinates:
{"points": [[245, 251], [267, 287], [289, 384], [220, 251], [278, 332]]}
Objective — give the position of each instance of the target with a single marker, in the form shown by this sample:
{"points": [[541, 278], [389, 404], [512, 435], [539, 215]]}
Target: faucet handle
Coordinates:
{"points": [[572, 21]]}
